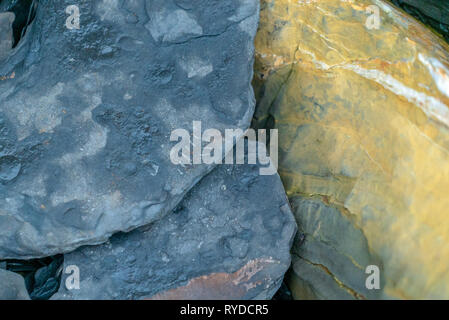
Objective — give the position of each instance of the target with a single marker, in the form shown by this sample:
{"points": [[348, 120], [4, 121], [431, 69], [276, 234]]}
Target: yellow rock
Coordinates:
{"points": [[363, 119]]}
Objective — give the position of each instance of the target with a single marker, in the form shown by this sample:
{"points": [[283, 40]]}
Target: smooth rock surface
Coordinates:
{"points": [[86, 114], [363, 123], [12, 286], [230, 238]]}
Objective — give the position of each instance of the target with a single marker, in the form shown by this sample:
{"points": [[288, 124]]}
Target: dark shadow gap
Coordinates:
{"points": [[25, 11], [42, 276], [437, 26]]}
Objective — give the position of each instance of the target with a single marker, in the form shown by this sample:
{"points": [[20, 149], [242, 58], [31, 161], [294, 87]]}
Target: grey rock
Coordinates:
{"points": [[328, 264], [6, 36], [434, 13], [86, 114], [435, 9], [42, 276], [12, 286], [9, 5], [230, 238], [23, 11]]}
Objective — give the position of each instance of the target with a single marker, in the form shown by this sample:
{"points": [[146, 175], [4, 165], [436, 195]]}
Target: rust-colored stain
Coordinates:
{"points": [[219, 286], [11, 76]]}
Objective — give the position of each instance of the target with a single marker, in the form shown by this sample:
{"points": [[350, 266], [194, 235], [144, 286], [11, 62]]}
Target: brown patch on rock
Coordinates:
{"points": [[219, 286]]}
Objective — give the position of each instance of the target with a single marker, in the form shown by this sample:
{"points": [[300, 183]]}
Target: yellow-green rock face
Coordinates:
{"points": [[363, 123]]}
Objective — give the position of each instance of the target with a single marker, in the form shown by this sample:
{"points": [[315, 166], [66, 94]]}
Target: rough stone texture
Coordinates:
{"points": [[12, 286], [363, 123], [230, 238], [23, 11], [6, 38], [86, 114]]}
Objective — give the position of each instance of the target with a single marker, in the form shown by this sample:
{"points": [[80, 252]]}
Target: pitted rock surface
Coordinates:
{"points": [[228, 239], [86, 114]]}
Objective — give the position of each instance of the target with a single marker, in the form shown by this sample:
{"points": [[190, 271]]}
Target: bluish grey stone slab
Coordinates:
{"points": [[6, 36], [86, 114], [12, 286], [229, 238]]}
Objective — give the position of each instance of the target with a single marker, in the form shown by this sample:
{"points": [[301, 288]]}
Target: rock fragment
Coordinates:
{"points": [[86, 119], [6, 36], [230, 238], [12, 286], [42, 276]]}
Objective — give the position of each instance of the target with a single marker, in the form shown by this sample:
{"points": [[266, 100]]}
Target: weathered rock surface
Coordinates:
{"points": [[86, 114], [24, 13], [230, 238], [6, 37], [363, 122], [12, 286]]}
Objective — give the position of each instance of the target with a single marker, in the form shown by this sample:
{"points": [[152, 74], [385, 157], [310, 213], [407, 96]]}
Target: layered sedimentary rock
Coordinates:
{"points": [[89, 98], [12, 286], [230, 238], [363, 119]]}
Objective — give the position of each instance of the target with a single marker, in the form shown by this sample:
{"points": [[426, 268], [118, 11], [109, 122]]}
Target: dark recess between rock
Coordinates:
{"points": [[24, 11], [433, 13], [42, 276]]}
